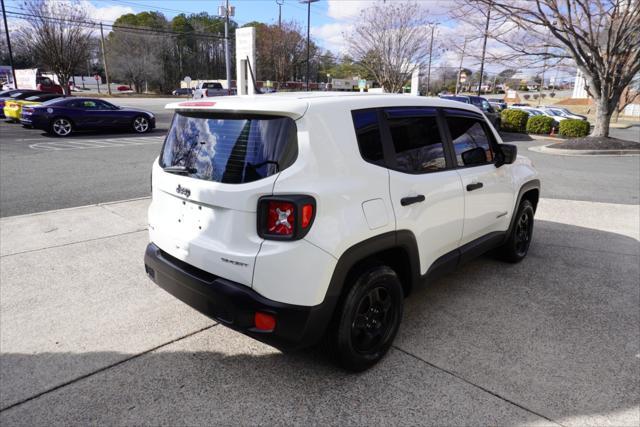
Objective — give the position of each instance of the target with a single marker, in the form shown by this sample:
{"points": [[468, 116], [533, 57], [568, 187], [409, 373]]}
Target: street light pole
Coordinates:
{"points": [[280, 3], [227, 56], [104, 60], [464, 47], [430, 56], [6, 29], [308, 2], [484, 48]]}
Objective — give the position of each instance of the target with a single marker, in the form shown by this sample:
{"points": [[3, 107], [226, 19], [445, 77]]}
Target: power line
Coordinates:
{"points": [[95, 25]]}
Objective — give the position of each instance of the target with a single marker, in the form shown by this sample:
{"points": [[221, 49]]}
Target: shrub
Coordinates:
{"points": [[574, 128], [552, 94], [513, 120], [535, 96], [540, 125], [526, 96]]}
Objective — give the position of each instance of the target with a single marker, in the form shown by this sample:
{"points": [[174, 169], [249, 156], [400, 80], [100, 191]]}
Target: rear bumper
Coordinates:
{"points": [[234, 305]]}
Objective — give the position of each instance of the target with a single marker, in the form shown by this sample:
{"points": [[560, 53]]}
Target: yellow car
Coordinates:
{"points": [[13, 108]]}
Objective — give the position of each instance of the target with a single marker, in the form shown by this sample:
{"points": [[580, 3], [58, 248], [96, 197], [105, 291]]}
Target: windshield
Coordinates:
{"points": [[228, 148]]}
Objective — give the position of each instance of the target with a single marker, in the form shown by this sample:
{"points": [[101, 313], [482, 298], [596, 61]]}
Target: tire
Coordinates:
{"points": [[141, 124], [516, 247], [367, 321], [61, 126]]}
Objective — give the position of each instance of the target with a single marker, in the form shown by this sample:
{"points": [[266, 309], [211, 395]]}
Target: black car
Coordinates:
{"points": [[481, 103], [61, 117]]}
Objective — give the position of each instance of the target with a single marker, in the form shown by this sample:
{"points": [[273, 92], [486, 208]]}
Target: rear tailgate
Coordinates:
{"points": [[206, 214]]}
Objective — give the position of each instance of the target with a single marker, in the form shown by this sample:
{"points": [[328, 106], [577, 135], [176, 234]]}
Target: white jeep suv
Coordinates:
{"points": [[301, 218]]}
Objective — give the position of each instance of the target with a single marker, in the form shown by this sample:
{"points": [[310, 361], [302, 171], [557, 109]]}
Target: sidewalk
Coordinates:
{"points": [[86, 338]]}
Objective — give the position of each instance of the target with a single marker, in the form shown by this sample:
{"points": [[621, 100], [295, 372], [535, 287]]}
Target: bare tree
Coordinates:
{"points": [[391, 40], [600, 36], [135, 56], [56, 33]]}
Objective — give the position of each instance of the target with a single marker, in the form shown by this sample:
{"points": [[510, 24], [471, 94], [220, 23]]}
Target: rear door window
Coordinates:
{"points": [[228, 148], [416, 139]]}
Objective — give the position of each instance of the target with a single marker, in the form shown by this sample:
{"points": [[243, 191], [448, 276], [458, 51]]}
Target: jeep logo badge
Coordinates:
{"points": [[184, 191]]}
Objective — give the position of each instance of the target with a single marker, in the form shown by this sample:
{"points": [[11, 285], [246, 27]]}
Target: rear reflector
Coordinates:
{"points": [[307, 215], [264, 321], [197, 104]]}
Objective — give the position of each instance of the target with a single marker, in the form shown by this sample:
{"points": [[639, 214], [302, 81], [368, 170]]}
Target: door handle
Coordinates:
{"points": [[474, 186], [406, 201]]}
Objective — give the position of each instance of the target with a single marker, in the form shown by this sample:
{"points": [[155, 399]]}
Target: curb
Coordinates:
{"points": [[115, 202], [546, 149]]}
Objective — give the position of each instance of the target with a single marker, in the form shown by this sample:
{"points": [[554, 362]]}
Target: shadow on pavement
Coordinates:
{"points": [[557, 334], [515, 137]]}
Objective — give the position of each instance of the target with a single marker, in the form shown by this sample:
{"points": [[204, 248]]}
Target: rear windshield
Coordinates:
{"points": [[230, 148]]}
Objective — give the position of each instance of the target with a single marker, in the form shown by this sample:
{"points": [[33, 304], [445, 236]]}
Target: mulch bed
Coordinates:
{"points": [[597, 143]]}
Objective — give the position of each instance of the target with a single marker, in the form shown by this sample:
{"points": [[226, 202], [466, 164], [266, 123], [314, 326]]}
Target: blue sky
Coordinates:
{"points": [[331, 20]]}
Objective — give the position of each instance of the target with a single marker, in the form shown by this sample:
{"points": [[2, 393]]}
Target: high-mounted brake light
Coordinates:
{"points": [[286, 217], [197, 104]]}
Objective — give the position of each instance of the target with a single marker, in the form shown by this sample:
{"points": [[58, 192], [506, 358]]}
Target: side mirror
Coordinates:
{"points": [[506, 155], [475, 156]]}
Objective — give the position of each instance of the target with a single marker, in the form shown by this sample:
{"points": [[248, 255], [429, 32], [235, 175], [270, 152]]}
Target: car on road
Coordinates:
{"points": [[481, 103], [209, 89], [497, 103], [15, 94], [303, 218], [182, 91], [13, 108], [61, 117]]}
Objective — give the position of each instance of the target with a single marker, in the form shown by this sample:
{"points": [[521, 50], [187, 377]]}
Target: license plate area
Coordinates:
{"points": [[192, 218]]}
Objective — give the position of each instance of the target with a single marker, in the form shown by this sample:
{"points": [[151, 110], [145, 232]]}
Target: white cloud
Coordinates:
{"points": [[333, 36], [107, 14], [347, 9]]}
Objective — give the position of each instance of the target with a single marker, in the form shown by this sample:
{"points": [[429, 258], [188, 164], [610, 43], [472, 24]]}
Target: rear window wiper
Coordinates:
{"points": [[179, 169]]}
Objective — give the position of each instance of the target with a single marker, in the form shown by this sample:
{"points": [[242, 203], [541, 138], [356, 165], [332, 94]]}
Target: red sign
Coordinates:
{"points": [[97, 77]]}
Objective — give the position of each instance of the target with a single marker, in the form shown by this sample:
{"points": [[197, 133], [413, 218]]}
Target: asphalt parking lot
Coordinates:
{"points": [[86, 338]]}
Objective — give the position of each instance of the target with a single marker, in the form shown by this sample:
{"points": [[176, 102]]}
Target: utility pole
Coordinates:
{"points": [[6, 29], [104, 60], [464, 47], [484, 48], [308, 2], [227, 56], [430, 56], [280, 3]]}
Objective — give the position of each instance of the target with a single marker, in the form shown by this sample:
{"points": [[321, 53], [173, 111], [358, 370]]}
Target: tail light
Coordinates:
{"points": [[287, 217], [206, 93]]}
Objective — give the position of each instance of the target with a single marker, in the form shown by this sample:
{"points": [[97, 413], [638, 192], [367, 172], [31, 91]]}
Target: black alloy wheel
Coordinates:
{"points": [[517, 245], [368, 318]]}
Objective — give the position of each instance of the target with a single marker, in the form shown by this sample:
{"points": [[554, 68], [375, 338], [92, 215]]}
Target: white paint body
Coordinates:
{"points": [[355, 200]]}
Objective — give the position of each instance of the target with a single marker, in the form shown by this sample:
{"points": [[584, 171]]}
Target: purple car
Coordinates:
{"points": [[61, 117]]}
